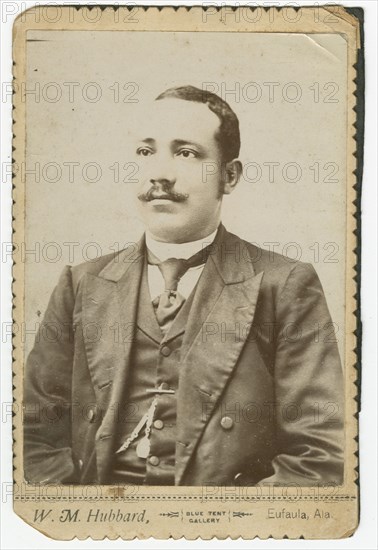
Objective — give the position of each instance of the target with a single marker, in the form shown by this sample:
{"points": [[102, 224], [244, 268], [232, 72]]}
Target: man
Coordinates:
{"points": [[194, 357]]}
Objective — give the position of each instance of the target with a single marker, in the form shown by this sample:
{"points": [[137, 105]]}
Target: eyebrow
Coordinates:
{"points": [[188, 142], [149, 141]]}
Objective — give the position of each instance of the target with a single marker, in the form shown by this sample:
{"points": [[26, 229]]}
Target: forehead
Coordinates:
{"points": [[176, 119]]}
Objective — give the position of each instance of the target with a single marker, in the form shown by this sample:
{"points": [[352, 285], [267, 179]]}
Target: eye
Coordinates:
{"points": [[144, 152], [187, 154]]}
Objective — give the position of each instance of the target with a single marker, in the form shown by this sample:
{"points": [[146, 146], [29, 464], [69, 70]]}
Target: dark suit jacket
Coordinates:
{"points": [[260, 395]]}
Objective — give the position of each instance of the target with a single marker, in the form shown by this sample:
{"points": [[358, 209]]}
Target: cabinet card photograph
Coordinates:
{"points": [[185, 255]]}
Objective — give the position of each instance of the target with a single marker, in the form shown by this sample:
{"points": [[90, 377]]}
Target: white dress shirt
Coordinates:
{"points": [[164, 251]]}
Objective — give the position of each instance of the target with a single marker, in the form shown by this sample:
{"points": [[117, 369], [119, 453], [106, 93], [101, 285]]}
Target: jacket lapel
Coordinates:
{"points": [[148, 322], [109, 316], [221, 316]]}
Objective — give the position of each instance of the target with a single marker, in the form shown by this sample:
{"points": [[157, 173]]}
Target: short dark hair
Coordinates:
{"points": [[228, 135]]}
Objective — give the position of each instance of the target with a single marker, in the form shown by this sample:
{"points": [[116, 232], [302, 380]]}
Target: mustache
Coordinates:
{"points": [[152, 194]]}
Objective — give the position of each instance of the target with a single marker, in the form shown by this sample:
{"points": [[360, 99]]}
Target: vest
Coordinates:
{"points": [[155, 362]]}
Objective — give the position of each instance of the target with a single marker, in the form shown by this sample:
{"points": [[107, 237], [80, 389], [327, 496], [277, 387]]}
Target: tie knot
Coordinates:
{"points": [[172, 270]]}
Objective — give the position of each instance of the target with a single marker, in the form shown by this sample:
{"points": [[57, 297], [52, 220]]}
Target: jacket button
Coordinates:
{"points": [[158, 424], [166, 351], [227, 423], [91, 415], [154, 460]]}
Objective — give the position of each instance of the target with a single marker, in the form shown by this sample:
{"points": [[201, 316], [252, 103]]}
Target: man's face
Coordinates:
{"points": [[179, 170]]}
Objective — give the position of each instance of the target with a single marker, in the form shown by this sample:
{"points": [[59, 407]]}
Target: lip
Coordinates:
{"points": [[162, 205], [163, 198]]}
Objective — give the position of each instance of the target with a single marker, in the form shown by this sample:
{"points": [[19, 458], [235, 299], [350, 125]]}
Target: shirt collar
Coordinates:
{"points": [[163, 251]]}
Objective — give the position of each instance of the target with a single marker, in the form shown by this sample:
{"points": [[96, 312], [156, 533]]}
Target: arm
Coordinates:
{"points": [[307, 372], [47, 393]]}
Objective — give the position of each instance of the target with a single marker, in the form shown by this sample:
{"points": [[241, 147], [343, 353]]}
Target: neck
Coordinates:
{"points": [[185, 237], [164, 250]]}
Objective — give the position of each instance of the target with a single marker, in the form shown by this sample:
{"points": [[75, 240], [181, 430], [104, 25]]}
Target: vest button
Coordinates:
{"points": [[154, 460], [92, 415], [166, 351], [158, 424], [227, 423]]}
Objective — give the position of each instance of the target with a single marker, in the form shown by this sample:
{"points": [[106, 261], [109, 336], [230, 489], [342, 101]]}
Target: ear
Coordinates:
{"points": [[232, 174]]}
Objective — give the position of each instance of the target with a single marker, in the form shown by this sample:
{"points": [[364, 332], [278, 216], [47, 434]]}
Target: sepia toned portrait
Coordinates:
{"points": [[185, 258]]}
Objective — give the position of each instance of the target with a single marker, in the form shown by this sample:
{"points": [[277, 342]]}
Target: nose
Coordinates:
{"points": [[162, 173], [162, 184]]}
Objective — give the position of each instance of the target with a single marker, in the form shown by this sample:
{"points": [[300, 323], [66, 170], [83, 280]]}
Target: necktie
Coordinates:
{"points": [[169, 303]]}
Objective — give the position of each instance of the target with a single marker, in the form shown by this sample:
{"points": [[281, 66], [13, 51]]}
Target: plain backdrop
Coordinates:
{"points": [[83, 90]]}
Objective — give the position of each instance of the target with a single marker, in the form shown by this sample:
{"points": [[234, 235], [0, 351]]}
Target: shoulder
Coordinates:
{"points": [[264, 259], [287, 285], [93, 267], [110, 266], [278, 269]]}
